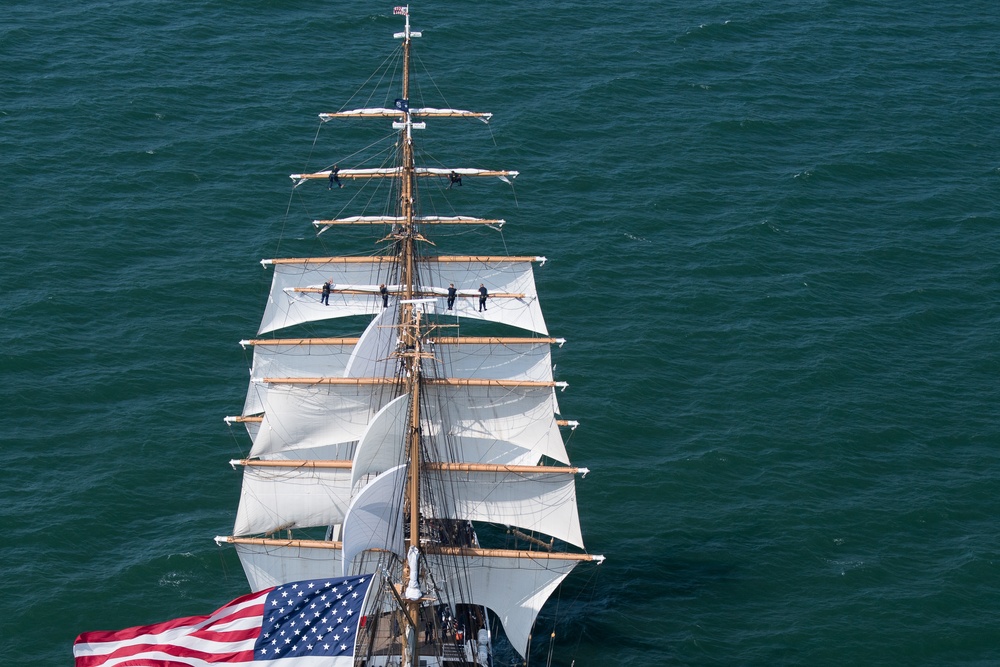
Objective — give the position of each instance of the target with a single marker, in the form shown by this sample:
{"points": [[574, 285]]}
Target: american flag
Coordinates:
{"points": [[274, 626], [401, 11]]}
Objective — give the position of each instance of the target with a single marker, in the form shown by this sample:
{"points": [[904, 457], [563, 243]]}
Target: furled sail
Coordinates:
{"points": [[398, 220], [428, 112], [396, 172]]}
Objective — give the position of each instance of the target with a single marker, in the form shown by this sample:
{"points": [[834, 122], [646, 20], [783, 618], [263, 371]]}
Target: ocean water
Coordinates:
{"points": [[774, 248]]}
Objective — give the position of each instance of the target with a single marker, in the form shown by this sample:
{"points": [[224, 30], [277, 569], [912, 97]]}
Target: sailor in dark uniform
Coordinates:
{"points": [[385, 295], [452, 293], [326, 293], [483, 293], [334, 178], [454, 179]]}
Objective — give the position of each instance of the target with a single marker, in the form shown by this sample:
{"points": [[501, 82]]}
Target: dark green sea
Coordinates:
{"points": [[773, 242]]}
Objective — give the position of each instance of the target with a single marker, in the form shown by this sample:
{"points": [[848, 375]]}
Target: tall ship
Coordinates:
{"points": [[425, 448]]}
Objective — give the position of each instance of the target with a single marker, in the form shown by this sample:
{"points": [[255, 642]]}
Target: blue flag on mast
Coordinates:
{"points": [[403, 105]]}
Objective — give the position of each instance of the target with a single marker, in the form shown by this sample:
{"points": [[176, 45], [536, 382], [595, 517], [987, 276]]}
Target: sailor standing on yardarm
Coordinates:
{"points": [[452, 293], [325, 299], [334, 178], [483, 293]]}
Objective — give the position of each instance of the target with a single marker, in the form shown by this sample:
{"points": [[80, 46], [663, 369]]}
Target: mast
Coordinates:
{"points": [[410, 338]]}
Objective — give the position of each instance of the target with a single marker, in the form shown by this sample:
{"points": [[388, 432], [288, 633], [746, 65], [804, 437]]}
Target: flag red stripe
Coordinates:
{"points": [[160, 661], [198, 630], [226, 636], [225, 612], [136, 651]]}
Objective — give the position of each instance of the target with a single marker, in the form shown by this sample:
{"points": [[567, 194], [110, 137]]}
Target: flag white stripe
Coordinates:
{"points": [[166, 657], [238, 624], [174, 634], [183, 641]]}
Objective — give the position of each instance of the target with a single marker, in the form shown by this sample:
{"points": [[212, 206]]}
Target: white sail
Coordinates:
{"points": [[283, 360], [382, 446], [495, 360], [253, 428], [267, 566], [522, 416], [514, 588], [482, 450], [275, 499], [287, 307], [500, 279], [356, 291], [343, 451], [372, 356], [306, 416], [303, 416], [542, 502], [375, 519]]}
